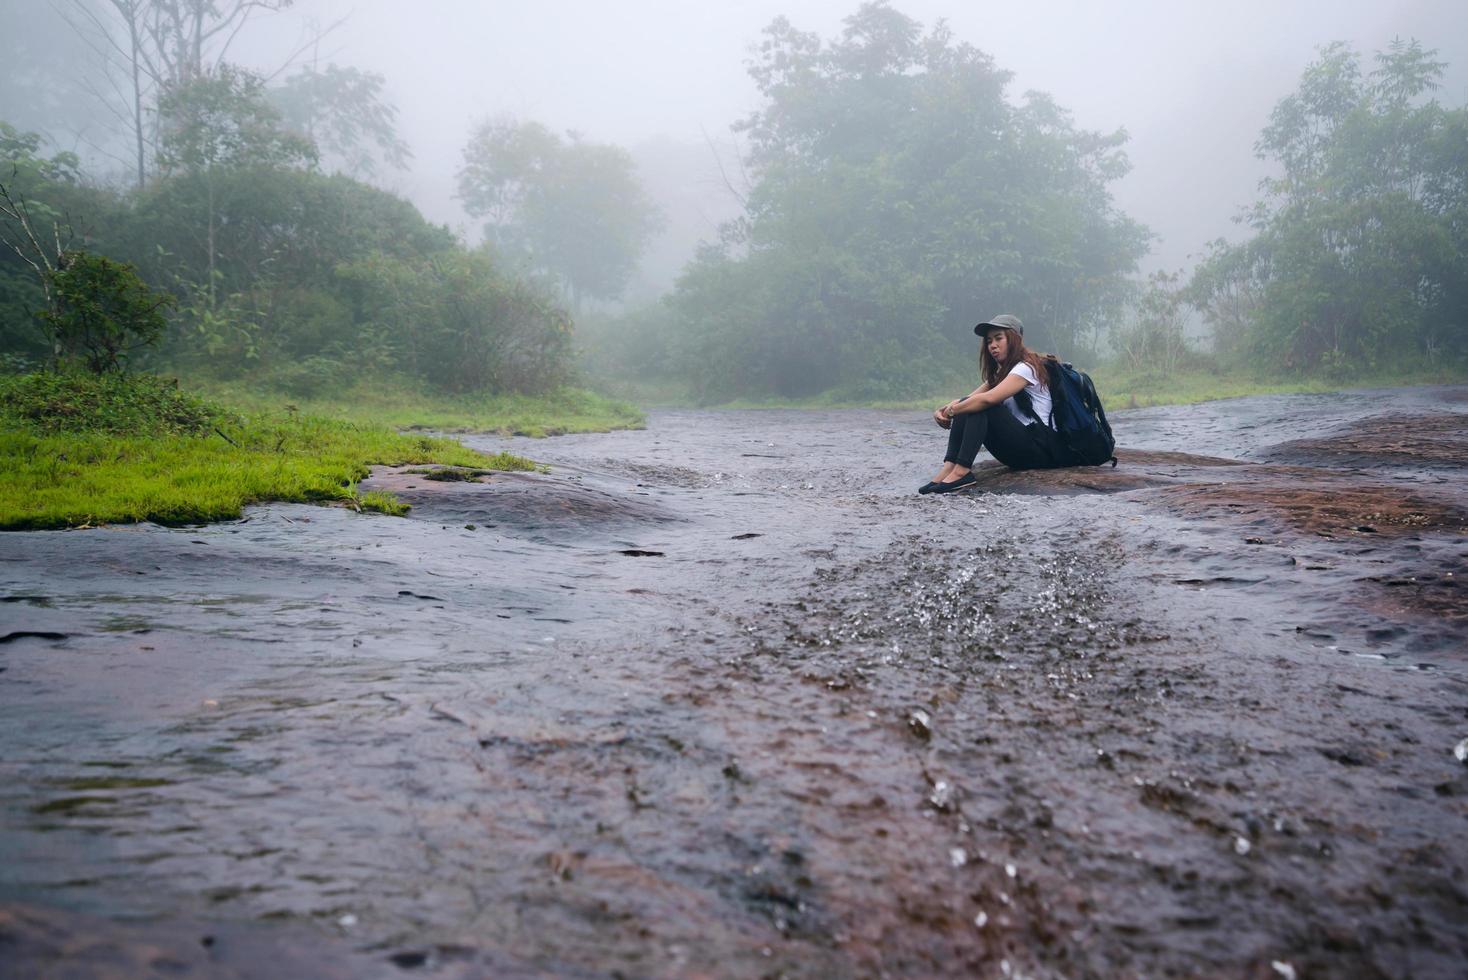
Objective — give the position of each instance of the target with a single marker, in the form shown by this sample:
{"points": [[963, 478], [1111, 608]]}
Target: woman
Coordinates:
{"points": [[989, 416]]}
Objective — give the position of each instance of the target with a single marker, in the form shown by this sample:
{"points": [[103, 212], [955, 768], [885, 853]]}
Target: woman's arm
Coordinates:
{"points": [[958, 401], [943, 414], [983, 396]]}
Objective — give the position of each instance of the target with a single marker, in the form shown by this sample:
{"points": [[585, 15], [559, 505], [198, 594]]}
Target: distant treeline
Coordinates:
{"points": [[278, 269], [232, 251], [894, 194], [1359, 248], [898, 195]]}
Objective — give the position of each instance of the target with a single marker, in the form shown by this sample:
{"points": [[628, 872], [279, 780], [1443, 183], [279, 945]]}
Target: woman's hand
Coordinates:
{"points": [[942, 417]]}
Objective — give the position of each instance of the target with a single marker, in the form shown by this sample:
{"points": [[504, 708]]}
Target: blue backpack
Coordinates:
{"points": [[1077, 414]]}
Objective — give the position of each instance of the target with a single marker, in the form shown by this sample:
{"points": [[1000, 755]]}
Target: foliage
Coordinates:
{"points": [[101, 311], [1152, 339], [214, 123], [222, 119], [567, 207], [212, 325], [342, 111], [18, 155], [135, 52], [898, 198], [36, 196], [628, 345], [1360, 245], [305, 279], [124, 405], [277, 231], [456, 320], [281, 235]]}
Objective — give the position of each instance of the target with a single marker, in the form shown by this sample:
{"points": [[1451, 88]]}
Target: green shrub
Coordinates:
{"points": [[101, 311], [309, 377], [132, 405]]}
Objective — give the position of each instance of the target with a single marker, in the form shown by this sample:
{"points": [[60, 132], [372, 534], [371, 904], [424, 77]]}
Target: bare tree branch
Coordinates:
{"points": [[310, 42], [719, 162], [91, 15], [16, 210]]}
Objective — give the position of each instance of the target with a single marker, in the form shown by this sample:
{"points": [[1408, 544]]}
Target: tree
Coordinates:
{"points": [[221, 122], [1360, 244], [343, 112], [93, 310], [456, 320], [222, 119], [1153, 340], [157, 45], [567, 207], [35, 234], [101, 311], [898, 198], [1227, 288]]}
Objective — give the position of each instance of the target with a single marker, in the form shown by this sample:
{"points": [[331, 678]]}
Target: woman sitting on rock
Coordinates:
{"points": [[989, 417]]}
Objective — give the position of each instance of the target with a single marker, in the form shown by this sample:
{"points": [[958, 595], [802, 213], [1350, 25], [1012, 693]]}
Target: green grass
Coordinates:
{"points": [[397, 405], [115, 403], [102, 459], [1124, 389], [382, 503], [1120, 389]]}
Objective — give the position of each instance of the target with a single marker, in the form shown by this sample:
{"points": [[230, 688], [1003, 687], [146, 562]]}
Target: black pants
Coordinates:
{"points": [[1035, 446]]}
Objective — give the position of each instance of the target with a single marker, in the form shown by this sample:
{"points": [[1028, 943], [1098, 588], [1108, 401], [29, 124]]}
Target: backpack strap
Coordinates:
{"points": [[1027, 404]]}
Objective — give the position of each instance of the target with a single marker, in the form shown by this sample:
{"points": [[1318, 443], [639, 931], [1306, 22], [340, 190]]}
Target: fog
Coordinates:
{"points": [[1192, 86]]}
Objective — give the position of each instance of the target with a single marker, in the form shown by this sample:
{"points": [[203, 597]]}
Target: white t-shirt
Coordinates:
{"points": [[1039, 395]]}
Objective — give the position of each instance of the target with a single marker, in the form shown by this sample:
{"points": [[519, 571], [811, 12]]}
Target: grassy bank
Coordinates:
{"points": [[396, 405], [1119, 389], [78, 451], [1123, 389]]}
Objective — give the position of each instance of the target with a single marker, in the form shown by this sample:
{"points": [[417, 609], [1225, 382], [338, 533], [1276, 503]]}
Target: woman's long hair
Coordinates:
{"points": [[993, 372]]}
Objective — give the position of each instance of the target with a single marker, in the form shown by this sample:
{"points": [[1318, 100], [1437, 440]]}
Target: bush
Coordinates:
{"points": [[101, 311], [458, 321], [309, 377], [136, 405]]}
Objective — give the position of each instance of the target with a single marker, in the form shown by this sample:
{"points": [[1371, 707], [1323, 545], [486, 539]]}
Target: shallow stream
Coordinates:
{"points": [[725, 696]]}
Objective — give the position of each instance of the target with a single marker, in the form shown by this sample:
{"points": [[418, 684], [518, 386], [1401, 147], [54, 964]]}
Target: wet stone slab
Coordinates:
{"points": [[1432, 441], [726, 697], [522, 502]]}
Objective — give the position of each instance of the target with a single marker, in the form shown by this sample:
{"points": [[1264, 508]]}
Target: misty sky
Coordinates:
{"points": [[1192, 83]]}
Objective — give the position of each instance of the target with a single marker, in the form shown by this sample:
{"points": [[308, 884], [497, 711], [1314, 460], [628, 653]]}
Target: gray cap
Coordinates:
{"points": [[1002, 320]]}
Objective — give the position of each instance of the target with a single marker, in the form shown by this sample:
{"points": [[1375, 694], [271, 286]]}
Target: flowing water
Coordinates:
{"points": [[725, 697]]}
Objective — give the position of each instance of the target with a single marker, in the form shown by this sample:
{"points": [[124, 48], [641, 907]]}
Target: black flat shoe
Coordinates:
{"points": [[967, 480], [929, 487]]}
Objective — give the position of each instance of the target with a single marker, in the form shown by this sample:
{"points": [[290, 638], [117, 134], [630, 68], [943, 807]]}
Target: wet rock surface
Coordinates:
{"points": [[726, 697], [1424, 441], [533, 506]]}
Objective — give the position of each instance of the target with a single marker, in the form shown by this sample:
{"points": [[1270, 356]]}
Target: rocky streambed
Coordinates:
{"points": [[725, 697]]}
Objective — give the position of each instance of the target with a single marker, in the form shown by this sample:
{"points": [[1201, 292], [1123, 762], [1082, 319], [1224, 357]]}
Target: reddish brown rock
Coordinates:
{"points": [[1385, 441], [1325, 506], [1135, 470]]}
